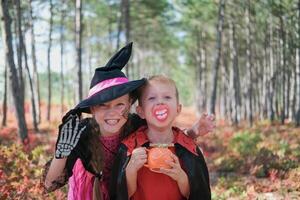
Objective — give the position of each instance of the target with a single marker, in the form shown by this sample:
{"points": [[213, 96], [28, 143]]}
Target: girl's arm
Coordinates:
{"points": [[55, 171], [55, 179], [69, 134]]}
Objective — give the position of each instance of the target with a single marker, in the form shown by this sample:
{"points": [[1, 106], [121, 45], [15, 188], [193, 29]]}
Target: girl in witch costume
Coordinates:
{"points": [[183, 173], [86, 149]]}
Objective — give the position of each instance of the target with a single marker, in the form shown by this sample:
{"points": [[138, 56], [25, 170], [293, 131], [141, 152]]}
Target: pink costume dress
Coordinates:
{"points": [[81, 182]]}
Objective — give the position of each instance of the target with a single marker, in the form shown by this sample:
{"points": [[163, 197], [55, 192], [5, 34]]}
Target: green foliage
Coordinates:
{"points": [[265, 160], [245, 143], [296, 152], [229, 163], [232, 186]]}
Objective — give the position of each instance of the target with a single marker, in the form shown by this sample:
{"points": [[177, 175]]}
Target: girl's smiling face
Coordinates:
{"points": [[111, 116], [159, 104]]}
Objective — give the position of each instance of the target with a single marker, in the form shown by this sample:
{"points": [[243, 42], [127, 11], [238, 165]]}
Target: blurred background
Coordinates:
{"points": [[237, 59]]}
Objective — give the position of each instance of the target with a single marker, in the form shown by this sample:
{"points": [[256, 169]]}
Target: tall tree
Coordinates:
{"points": [[217, 58], [249, 64], [78, 38], [126, 10], [33, 103], [234, 75], [62, 39], [4, 105], [13, 78], [49, 62], [271, 73], [35, 71], [282, 64], [20, 47], [298, 65], [200, 59], [120, 25]]}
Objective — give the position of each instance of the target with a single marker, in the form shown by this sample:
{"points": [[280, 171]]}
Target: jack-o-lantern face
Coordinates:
{"points": [[158, 158]]}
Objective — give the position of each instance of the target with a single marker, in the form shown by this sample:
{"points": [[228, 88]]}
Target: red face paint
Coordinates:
{"points": [[160, 112]]}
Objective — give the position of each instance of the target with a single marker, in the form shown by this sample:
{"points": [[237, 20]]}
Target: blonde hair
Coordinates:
{"points": [[160, 79]]}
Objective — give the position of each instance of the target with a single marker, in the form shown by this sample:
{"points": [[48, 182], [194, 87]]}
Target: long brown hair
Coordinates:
{"points": [[96, 161]]}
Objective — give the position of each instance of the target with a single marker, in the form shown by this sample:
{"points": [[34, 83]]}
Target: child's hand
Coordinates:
{"points": [[69, 133], [137, 160], [175, 172], [204, 125]]}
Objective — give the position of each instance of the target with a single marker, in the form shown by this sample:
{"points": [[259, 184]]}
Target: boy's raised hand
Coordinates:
{"points": [[138, 159], [204, 125], [68, 136]]}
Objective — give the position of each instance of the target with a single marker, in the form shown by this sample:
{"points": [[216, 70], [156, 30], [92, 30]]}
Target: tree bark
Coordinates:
{"points": [[235, 77], [283, 69], [265, 83], [200, 76], [271, 77], [4, 105], [49, 62], [78, 38], [298, 66], [216, 64], [249, 66], [120, 26], [35, 71], [34, 115], [126, 8], [20, 48], [13, 78], [62, 38]]}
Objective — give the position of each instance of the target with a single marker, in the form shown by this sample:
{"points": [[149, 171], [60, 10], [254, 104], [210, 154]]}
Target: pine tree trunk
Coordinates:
{"points": [[126, 7], [35, 72], [265, 83], [283, 70], [49, 62], [62, 38], [199, 58], [271, 78], [298, 66], [217, 58], [20, 48], [249, 66], [234, 76], [78, 37], [34, 115], [224, 109], [120, 25], [205, 73], [13, 78], [294, 95], [4, 105]]}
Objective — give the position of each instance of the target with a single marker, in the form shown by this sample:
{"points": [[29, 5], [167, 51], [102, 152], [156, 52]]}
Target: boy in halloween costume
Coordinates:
{"points": [[187, 176], [85, 149]]}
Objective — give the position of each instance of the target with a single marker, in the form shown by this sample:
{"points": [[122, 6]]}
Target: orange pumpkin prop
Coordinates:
{"points": [[158, 156]]}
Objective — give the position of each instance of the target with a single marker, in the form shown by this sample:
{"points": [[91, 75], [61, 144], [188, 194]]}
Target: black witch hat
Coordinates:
{"points": [[109, 82]]}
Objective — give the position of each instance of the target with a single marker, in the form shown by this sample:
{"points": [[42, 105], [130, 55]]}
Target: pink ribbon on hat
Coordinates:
{"points": [[106, 84]]}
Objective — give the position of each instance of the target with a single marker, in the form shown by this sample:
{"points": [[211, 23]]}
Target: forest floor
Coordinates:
{"points": [[261, 162]]}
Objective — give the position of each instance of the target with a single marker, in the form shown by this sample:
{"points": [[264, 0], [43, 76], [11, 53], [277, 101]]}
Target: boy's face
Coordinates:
{"points": [[158, 104], [111, 116]]}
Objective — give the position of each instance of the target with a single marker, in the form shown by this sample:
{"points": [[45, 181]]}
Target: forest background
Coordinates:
{"points": [[239, 60]]}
